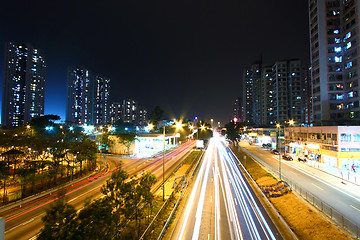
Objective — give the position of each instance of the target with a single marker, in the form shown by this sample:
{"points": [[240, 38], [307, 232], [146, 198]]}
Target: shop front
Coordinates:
{"points": [[347, 159]]}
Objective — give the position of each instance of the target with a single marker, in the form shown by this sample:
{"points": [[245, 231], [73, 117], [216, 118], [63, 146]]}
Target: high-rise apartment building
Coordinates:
{"points": [[334, 48], [101, 100], [129, 111], [115, 112], [274, 93], [23, 85], [79, 102], [251, 89], [288, 92], [266, 100], [237, 110], [141, 116], [308, 116]]}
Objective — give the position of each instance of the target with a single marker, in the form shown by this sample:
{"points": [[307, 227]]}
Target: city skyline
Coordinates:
{"points": [[188, 64]]}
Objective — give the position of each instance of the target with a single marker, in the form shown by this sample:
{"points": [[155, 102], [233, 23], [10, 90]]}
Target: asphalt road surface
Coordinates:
{"points": [[23, 220], [221, 204], [344, 198]]}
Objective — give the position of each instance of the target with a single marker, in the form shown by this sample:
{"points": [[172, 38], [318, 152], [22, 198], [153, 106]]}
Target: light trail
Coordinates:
{"points": [[172, 157], [236, 213]]}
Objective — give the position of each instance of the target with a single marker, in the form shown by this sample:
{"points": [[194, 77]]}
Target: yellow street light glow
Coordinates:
{"points": [[291, 122], [278, 125], [150, 126], [178, 125], [28, 126], [191, 127], [202, 127]]}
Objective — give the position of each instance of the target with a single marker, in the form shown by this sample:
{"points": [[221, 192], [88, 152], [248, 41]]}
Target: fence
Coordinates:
{"points": [[326, 209], [323, 207]]}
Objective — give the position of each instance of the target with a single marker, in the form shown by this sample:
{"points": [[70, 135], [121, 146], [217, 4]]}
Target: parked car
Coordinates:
{"points": [[302, 159], [266, 145], [287, 157], [274, 151]]}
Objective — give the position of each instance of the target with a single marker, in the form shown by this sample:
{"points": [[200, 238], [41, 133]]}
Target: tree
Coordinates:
{"points": [[97, 220], [126, 138], [105, 142], [59, 221], [126, 196], [232, 130], [84, 150], [155, 115], [4, 175]]}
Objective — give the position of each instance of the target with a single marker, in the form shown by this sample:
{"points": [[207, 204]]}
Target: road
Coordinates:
{"points": [[221, 204], [344, 198], [24, 222]]}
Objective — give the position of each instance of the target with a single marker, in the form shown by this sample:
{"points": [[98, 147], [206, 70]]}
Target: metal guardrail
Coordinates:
{"points": [[165, 204], [326, 209], [178, 201], [264, 197]]}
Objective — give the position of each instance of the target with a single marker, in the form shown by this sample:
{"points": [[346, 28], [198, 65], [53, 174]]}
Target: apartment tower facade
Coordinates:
{"points": [[24, 84], [334, 49]]}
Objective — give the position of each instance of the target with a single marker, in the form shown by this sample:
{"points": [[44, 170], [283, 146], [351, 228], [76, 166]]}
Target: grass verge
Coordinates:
{"points": [[305, 221]]}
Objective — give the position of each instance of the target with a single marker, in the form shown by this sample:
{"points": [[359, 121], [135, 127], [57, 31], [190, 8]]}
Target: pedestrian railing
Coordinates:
{"points": [[326, 209]]}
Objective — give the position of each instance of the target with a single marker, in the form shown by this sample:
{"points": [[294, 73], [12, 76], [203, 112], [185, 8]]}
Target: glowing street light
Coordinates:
{"points": [[49, 128], [178, 126], [150, 126]]}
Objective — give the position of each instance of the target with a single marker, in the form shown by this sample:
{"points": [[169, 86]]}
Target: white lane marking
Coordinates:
{"points": [[194, 190], [83, 194], [11, 229], [34, 237], [235, 201], [24, 223], [355, 208], [322, 181], [201, 200], [317, 186]]}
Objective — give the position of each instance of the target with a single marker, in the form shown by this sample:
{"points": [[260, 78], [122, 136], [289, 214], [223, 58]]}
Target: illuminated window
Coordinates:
{"points": [[348, 35], [348, 65], [345, 137], [337, 49], [356, 136], [348, 45]]}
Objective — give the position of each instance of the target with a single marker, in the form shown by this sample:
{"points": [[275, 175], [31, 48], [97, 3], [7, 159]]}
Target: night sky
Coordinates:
{"points": [[185, 56]]}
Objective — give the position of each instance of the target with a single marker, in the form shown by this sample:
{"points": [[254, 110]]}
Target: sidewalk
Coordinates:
{"points": [[346, 175], [347, 181]]}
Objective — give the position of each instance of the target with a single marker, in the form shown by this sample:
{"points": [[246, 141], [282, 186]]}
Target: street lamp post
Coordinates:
{"points": [[290, 122], [279, 142], [164, 167]]}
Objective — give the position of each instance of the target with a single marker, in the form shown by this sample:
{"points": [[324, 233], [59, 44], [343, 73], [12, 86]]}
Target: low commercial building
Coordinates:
{"points": [[337, 146], [145, 144]]}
